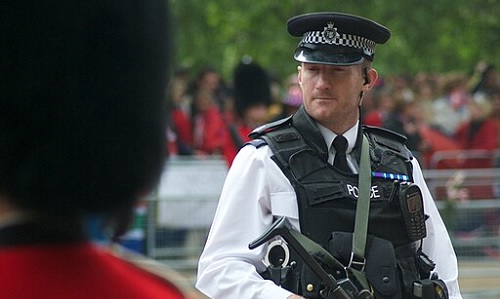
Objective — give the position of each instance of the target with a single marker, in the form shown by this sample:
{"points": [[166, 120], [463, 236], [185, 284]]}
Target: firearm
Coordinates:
{"points": [[309, 252]]}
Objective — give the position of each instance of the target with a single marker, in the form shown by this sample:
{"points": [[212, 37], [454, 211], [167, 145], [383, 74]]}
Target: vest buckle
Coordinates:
{"points": [[356, 262]]}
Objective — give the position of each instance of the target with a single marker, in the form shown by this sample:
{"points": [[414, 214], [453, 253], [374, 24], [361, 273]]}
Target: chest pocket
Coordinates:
{"points": [[317, 179]]}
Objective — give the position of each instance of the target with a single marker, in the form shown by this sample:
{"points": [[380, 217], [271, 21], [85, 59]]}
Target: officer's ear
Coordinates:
{"points": [[370, 78]]}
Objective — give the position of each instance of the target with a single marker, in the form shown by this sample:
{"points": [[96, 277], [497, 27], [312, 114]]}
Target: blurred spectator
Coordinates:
{"points": [[451, 108], [179, 131], [292, 99], [252, 98], [383, 104], [405, 118], [209, 128], [495, 112], [401, 87], [479, 132], [484, 80], [209, 80], [425, 92], [275, 108], [495, 115]]}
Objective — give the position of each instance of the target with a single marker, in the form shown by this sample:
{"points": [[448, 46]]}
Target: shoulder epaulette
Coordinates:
{"points": [[258, 142], [388, 139], [269, 127], [385, 132]]}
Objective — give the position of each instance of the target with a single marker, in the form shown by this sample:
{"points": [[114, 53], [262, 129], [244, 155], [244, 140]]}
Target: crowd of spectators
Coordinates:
{"points": [[436, 112], [211, 117]]}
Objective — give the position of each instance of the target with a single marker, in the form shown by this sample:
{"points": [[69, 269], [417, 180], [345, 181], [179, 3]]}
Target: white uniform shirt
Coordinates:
{"points": [[255, 190]]}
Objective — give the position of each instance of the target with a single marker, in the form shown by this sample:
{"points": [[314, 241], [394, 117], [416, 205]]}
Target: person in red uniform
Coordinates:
{"points": [[81, 133], [252, 98]]}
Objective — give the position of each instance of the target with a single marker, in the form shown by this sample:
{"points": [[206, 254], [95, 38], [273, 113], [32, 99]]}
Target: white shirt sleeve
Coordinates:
{"points": [[254, 190], [437, 245]]}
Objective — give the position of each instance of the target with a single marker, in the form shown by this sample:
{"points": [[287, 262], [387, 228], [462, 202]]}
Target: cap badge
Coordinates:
{"points": [[329, 32]]}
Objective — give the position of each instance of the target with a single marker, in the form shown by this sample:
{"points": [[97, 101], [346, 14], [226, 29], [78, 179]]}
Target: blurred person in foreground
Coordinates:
{"points": [[82, 132], [304, 170]]}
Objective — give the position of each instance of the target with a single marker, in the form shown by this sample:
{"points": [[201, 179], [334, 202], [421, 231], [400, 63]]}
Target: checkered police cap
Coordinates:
{"points": [[336, 38]]}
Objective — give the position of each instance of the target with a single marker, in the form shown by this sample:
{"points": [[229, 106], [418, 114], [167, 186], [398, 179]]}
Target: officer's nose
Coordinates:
{"points": [[324, 82]]}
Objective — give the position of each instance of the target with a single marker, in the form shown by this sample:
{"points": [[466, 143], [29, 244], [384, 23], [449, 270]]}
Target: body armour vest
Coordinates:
{"points": [[327, 197]]}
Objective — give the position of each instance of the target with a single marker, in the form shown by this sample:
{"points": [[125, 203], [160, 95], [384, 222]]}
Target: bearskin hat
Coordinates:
{"points": [[251, 86]]}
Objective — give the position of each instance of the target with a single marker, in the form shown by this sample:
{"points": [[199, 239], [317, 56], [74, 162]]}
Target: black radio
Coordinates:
{"points": [[412, 207]]}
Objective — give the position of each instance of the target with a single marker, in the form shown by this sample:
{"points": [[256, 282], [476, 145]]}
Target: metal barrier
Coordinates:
{"points": [[180, 213], [459, 159], [473, 224], [182, 210]]}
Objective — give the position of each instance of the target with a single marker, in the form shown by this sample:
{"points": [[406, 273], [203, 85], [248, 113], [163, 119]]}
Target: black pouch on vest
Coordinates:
{"points": [[380, 266], [310, 283], [430, 289]]}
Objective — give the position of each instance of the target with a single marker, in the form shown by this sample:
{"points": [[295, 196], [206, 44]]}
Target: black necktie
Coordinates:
{"points": [[340, 146]]}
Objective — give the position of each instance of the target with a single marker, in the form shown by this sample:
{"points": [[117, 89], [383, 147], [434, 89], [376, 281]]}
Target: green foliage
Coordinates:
{"points": [[427, 36]]}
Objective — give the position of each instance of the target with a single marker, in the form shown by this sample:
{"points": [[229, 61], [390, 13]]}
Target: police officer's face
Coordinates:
{"points": [[332, 94]]}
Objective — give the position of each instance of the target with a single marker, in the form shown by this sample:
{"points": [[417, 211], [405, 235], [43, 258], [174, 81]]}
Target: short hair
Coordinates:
{"points": [[81, 110]]}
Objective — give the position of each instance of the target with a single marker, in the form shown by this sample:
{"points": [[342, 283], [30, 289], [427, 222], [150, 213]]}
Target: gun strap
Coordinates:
{"points": [[362, 209]]}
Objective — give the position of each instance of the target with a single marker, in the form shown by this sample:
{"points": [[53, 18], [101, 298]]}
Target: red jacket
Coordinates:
{"points": [[210, 132], [76, 271], [483, 137], [182, 127]]}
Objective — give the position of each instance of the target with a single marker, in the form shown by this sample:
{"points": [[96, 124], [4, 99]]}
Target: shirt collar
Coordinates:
{"points": [[350, 135]]}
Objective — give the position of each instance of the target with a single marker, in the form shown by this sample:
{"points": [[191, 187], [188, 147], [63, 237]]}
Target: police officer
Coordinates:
{"points": [[306, 168]]}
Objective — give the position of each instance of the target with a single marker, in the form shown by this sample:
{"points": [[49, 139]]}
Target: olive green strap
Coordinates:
{"points": [[362, 208]]}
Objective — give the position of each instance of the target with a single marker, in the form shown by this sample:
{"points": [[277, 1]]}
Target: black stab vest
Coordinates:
{"points": [[326, 197]]}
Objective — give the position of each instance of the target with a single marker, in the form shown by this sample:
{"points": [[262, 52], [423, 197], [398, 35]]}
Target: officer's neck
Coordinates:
{"points": [[351, 135], [340, 126]]}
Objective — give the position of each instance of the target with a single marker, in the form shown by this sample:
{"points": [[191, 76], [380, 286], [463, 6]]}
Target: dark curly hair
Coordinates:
{"points": [[81, 106]]}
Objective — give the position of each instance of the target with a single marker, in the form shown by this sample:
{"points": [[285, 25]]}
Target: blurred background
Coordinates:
{"points": [[427, 36]]}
